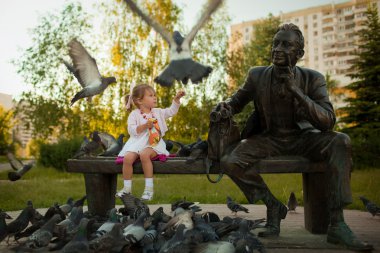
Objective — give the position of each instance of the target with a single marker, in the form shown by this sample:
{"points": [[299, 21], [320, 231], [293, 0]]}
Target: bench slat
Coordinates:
{"points": [[178, 165]]}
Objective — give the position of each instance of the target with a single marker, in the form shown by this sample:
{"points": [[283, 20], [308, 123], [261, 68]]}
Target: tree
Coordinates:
{"points": [[256, 53], [362, 113], [5, 128], [45, 105]]}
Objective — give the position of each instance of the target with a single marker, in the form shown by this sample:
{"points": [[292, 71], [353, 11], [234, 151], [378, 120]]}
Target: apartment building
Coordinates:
{"points": [[329, 31], [20, 131]]}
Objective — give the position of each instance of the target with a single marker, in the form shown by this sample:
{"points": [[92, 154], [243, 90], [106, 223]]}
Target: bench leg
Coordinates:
{"points": [[100, 190], [315, 202]]}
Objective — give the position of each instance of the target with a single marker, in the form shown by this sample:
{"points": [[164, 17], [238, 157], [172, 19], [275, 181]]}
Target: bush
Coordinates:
{"points": [[56, 155]]}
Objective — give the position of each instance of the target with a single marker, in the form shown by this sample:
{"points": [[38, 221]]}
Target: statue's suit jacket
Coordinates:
{"points": [[313, 111]]}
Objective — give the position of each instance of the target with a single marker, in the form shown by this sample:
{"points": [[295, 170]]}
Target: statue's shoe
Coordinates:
{"points": [[274, 217], [342, 234]]}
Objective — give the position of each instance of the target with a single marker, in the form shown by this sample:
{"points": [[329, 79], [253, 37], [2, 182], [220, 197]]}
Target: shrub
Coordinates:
{"points": [[56, 155]]}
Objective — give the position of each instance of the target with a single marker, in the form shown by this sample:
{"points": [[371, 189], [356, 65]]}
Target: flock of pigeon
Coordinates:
{"points": [[104, 144], [132, 228], [181, 66]]}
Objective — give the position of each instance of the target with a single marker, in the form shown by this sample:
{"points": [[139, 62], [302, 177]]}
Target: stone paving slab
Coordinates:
{"points": [[294, 237]]}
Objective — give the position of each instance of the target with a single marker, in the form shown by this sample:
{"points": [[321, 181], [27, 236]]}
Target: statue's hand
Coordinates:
{"points": [[289, 80]]}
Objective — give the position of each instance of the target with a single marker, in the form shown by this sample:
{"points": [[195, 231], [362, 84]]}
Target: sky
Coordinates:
{"points": [[19, 16]]}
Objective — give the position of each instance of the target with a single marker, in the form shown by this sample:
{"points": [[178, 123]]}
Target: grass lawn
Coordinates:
{"points": [[44, 186]]}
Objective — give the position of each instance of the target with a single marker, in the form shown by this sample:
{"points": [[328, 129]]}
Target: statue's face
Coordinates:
{"points": [[285, 49]]}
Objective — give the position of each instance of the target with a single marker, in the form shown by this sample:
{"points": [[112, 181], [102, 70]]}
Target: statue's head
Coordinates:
{"points": [[287, 46]]}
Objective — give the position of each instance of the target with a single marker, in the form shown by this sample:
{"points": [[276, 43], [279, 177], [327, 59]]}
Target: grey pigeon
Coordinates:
{"points": [[90, 147], [71, 223], [169, 144], [214, 247], [235, 207], [107, 226], [210, 217], [110, 242], [371, 207], [243, 233], [16, 175], [198, 150], [3, 225], [133, 233], [181, 67], [37, 225], [86, 69], [66, 208], [205, 229], [79, 243], [292, 202], [22, 221], [186, 205], [147, 242], [134, 206], [82, 147], [15, 163], [42, 236], [177, 242], [80, 201], [112, 145]]}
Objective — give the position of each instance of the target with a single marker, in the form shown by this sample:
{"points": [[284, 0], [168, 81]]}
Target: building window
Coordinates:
{"points": [[315, 33], [315, 25], [296, 20], [247, 29], [315, 16]]}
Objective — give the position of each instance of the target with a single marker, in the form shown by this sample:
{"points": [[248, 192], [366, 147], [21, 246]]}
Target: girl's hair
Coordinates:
{"points": [[138, 92]]}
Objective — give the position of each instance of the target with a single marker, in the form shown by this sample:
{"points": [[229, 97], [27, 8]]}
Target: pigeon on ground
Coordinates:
{"points": [[186, 205], [113, 241], [80, 201], [16, 175], [107, 226], [79, 243], [243, 233], [235, 207], [15, 163], [214, 247], [42, 236], [181, 67], [134, 206], [177, 242], [210, 217], [371, 207], [3, 225], [205, 229], [133, 233], [22, 221], [147, 242], [66, 208], [87, 148], [292, 202], [86, 69], [112, 146], [37, 225]]}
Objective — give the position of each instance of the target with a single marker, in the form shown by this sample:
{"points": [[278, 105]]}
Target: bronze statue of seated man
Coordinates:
{"points": [[293, 116]]}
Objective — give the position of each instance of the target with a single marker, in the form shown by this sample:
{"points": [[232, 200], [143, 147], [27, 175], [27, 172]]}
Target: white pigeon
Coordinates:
{"points": [[86, 71], [181, 67]]}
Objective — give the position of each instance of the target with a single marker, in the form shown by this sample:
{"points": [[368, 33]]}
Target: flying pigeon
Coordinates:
{"points": [[181, 67], [371, 207], [292, 202], [86, 71], [16, 175], [15, 163], [235, 207]]}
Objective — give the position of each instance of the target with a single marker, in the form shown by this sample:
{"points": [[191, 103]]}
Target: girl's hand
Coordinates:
{"points": [[179, 95], [149, 124]]}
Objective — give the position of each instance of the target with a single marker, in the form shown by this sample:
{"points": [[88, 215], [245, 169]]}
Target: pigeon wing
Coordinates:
{"points": [[151, 22], [84, 64], [15, 163], [107, 139], [211, 7]]}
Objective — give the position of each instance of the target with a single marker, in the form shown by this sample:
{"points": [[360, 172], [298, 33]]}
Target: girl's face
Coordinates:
{"points": [[149, 100]]}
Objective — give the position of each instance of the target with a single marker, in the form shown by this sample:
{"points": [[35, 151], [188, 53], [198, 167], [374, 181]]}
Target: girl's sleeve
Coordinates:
{"points": [[132, 124], [171, 111]]}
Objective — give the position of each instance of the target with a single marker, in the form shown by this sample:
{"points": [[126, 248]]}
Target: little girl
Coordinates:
{"points": [[146, 127]]}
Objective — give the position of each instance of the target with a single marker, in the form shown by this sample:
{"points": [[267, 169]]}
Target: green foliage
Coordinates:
{"points": [[56, 155], [57, 186], [5, 128], [361, 116], [257, 52]]}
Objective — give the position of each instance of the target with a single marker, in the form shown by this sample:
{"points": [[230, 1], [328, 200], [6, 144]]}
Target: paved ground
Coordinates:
{"points": [[293, 237]]}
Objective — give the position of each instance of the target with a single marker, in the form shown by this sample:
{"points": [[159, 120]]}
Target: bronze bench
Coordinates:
{"points": [[100, 175]]}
